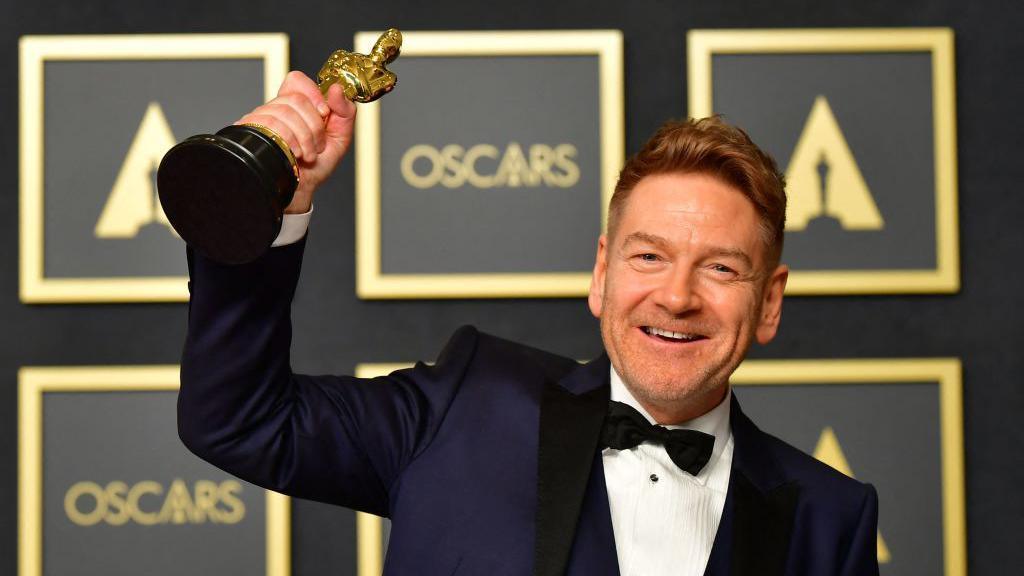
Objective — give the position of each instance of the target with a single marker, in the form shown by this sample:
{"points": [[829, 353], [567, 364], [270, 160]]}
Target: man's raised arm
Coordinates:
{"points": [[328, 438]]}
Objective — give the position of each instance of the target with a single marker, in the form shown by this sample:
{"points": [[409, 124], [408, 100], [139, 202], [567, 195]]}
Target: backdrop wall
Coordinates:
{"points": [[981, 324]]}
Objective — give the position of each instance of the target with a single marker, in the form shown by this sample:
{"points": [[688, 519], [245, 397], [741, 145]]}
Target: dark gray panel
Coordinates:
{"points": [[546, 100], [89, 127], [883, 104], [131, 437]]}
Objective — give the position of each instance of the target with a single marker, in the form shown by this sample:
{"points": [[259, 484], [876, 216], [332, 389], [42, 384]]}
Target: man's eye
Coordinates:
{"points": [[648, 257], [722, 268]]}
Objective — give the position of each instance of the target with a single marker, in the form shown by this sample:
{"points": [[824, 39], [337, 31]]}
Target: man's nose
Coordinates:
{"points": [[679, 293]]}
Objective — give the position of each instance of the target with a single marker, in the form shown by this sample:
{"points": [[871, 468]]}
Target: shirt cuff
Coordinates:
{"points": [[293, 228]]}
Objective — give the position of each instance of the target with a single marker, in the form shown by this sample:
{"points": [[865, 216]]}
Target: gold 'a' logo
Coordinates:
{"points": [[133, 201], [829, 452], [823, 179]]}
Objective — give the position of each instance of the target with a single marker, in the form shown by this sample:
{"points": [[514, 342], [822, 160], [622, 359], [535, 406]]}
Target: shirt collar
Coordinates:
{"points": [[714, 422]]}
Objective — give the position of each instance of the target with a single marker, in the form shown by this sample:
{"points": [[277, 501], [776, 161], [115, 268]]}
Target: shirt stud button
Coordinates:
{"points": [[654, 477]]}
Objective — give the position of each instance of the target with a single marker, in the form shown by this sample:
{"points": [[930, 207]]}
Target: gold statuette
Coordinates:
{"points": [[363, 77]]}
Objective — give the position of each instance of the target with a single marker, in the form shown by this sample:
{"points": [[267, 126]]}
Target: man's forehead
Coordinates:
{"points": [[688, 201], [688, 191]]}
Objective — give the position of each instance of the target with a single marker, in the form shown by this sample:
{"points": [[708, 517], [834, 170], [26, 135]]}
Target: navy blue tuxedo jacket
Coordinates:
{"points": [[487, 462]]}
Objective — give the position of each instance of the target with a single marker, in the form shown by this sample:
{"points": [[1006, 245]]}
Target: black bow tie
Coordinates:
{"points": [[625, 428]]}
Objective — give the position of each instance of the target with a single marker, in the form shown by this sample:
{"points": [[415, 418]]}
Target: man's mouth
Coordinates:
{"points": [[670, 336]]}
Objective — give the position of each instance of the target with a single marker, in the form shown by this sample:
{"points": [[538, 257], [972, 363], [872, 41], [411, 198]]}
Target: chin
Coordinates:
{"points": [[655, 378], [667, 383], [656, 388]]}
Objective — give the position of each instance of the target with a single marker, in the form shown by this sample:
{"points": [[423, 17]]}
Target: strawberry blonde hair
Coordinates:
{"points": [[710, 146]]}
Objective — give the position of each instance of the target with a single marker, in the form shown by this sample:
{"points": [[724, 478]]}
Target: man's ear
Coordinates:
{"points": [[596, 297], [771, 305]]}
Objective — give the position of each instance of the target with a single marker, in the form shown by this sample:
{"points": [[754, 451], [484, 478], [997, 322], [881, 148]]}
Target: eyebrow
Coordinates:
{"points": [[645, 238], [664, 244], [733, 253]]}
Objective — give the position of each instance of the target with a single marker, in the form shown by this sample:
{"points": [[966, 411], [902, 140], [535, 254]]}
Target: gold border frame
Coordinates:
{"points": [[33, 382], [946, 371], [945, 277], [34, 51], [369, 527], [370, 282]]}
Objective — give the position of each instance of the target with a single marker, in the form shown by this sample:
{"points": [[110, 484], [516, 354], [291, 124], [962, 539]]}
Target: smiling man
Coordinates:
{"points": [[684, 280], [503, 459]]}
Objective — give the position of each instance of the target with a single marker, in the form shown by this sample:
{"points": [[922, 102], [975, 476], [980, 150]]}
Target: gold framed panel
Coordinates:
{"points": [[34, 52], [947, 372], [371, 283], [33, 383], [945, 277]]}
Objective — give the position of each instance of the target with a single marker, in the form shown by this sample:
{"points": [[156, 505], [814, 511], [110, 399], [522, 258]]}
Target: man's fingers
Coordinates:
{"points": [[277, 126], [317, 129], [298, 83], [309, 115], [296, 124]]}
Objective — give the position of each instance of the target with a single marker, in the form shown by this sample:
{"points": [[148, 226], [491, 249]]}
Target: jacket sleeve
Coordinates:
{"points": [[335, 439], [862, 555]]}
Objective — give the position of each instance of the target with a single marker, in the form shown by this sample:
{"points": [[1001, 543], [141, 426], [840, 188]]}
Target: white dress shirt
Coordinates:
{"points": [[663, 518], [293, 228]]}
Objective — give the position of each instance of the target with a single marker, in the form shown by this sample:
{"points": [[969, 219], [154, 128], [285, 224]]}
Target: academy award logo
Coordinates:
{"points": [[133, 202], [823, 181], [862, 123], [93, 229]]}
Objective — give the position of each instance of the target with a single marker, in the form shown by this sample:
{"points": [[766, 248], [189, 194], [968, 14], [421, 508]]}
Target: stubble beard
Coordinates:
{"points": [[664, 382]]}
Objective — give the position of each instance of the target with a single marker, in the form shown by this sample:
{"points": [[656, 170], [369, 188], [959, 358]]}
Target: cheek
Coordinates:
{"points": [[621, 299], [733, 305], [629, 285]]}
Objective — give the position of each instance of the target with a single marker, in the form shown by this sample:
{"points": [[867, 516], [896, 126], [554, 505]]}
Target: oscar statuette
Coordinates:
{"points": [[225, 193]]}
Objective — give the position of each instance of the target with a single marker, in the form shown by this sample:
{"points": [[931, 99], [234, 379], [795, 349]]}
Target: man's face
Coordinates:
{"points": [[682, 289]]}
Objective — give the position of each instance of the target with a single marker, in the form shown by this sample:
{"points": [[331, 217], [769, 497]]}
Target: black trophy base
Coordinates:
{"points": [[224, 194]]}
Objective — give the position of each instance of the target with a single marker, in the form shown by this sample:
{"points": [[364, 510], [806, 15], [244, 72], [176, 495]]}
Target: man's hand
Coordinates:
{"points": [[318, 130]]}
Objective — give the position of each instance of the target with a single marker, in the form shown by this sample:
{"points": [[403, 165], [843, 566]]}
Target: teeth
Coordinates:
{"points": [[669, 334]]}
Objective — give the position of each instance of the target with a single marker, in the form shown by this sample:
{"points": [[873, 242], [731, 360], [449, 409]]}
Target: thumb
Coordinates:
{"points": [[340, 121]]}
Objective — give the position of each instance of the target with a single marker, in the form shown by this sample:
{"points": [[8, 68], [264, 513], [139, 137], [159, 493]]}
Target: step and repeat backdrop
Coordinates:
{"points": [[475, 192]]}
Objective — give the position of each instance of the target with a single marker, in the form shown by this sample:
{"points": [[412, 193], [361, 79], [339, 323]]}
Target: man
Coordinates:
{"points": [[503, 459]]}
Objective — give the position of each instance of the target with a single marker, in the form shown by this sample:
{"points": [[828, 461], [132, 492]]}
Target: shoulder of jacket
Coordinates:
{"points": [[497, 353]]}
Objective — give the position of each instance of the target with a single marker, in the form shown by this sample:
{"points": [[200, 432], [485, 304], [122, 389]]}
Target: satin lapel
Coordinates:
{"points": [[762, 524], [757, 522], [571, 416], [593, 547]]}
